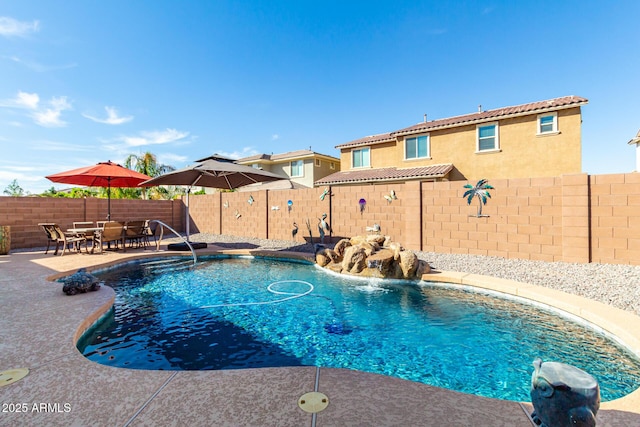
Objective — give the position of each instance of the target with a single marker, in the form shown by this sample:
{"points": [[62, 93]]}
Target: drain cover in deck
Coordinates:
{"points": [[12, 375], [313, 402]]}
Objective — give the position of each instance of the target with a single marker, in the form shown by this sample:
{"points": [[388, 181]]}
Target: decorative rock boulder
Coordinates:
{"points": [[373, 255], [382, 262], [80, 282], [342, 246], [409, 263]]}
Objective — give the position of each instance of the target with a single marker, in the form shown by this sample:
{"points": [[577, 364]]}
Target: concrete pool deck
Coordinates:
{"points": [[39, 327]]}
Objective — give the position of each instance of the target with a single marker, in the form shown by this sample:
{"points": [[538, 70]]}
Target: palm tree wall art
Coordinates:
{"points": [[481, 191]]}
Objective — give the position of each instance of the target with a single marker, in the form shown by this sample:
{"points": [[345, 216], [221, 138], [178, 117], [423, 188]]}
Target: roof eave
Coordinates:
{"points": [[383, 180], [489, 119], [365, 143]]}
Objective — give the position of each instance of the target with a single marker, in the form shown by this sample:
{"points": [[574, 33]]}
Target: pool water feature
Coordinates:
{"points": [[234, 313]]}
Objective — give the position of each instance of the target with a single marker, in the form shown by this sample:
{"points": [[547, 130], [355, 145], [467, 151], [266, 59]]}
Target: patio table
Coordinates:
{"points": [[97, 234]]}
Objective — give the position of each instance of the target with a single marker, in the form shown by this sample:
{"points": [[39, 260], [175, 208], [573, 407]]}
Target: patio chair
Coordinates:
{"points": [[95, 237], [47, 227], [113, 231], [67, 240], [150, 231], [135, 233]]}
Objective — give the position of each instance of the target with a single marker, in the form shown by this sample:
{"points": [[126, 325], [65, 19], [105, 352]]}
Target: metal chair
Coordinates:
{"points": [[66, 240], [135, 233], [48, 230], [113, 231]]}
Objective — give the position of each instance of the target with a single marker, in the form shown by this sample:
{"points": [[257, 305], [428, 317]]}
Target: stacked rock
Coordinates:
{"points": [[373, 255]]}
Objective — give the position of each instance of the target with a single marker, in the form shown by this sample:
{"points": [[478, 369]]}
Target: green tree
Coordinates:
{"points": [[13, 189], [147, 163], [480, 190]]}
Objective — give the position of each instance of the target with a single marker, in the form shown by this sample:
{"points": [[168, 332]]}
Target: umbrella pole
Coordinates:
{"points": [[109, 199], [187, 212]]}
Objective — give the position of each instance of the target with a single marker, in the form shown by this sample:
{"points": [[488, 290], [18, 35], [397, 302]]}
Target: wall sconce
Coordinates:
{"points": [[363, 204]]}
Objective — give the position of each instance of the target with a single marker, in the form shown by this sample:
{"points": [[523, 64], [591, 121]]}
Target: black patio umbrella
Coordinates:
{"points": [[214, 174]]}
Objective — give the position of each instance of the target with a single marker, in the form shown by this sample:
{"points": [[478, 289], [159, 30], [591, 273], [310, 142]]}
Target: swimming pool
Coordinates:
{"points": [[233, 313]]}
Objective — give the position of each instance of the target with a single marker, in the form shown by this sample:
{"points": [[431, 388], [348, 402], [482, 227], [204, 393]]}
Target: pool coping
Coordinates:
{"points": [[354, 395]]}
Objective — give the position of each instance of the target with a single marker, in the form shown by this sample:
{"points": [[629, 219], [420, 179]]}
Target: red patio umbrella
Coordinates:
{"points": [[103, 174]]}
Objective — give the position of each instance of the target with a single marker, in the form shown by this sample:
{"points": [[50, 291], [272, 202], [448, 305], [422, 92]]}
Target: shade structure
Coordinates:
{"points": [[103, 174], [214, 174]]}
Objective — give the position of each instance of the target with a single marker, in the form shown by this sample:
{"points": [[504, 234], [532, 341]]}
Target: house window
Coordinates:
{"points": [[487, 137], [297, 168], [360, 158], [547, 123], [332, 165], [416, 147], [317, 163]]}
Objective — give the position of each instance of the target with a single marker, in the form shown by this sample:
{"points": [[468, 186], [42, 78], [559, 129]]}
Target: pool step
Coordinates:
{"points": [[164, 265]]}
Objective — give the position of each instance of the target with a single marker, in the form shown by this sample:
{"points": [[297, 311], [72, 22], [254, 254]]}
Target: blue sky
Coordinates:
{"points": [[89, 81]]}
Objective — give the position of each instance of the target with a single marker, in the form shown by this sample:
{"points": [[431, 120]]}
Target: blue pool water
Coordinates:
{"points": [[233, 313]]}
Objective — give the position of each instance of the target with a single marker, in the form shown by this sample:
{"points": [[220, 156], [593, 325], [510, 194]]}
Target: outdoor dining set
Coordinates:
{"points": [[136, 233]]}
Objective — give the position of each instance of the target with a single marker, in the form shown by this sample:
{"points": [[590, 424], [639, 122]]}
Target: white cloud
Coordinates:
{"points": [[50, 117], [112, 117], [10, 27], [154, 137], [275, 137], [37, 67], [22, 100]]}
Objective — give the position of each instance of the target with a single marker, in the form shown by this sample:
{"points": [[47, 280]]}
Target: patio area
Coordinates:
{"points": [[39, 326]]}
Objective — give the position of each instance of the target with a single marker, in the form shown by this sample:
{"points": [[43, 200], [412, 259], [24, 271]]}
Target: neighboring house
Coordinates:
{"points": [[530, 140], [302, 167], [218, 157]]}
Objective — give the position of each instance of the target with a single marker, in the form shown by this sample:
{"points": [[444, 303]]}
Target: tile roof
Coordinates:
{"points": [[282, 156], [478, 117], [386, 174]]}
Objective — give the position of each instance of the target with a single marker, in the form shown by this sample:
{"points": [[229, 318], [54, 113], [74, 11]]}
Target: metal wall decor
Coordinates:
{"points": [[363, 204], [391, 196], [480, 190]]}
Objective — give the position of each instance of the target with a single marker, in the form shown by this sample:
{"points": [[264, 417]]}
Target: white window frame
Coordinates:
{"points": [[299, 163], [317, 162], [496, 138], [418, 157], [332, 165], [353, 157], [554, 125]]}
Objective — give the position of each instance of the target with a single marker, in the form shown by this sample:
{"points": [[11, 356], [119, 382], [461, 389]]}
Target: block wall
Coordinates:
{"points": [[23, 214], [573, 218], [522, 219], [615, 218]]}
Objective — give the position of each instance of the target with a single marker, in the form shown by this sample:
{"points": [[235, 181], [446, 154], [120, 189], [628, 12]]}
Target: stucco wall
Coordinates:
{"points": [[522, 154]]}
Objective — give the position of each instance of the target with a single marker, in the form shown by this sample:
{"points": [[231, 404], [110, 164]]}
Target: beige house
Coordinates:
{"points": [[302, 167], [530, 140]]}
